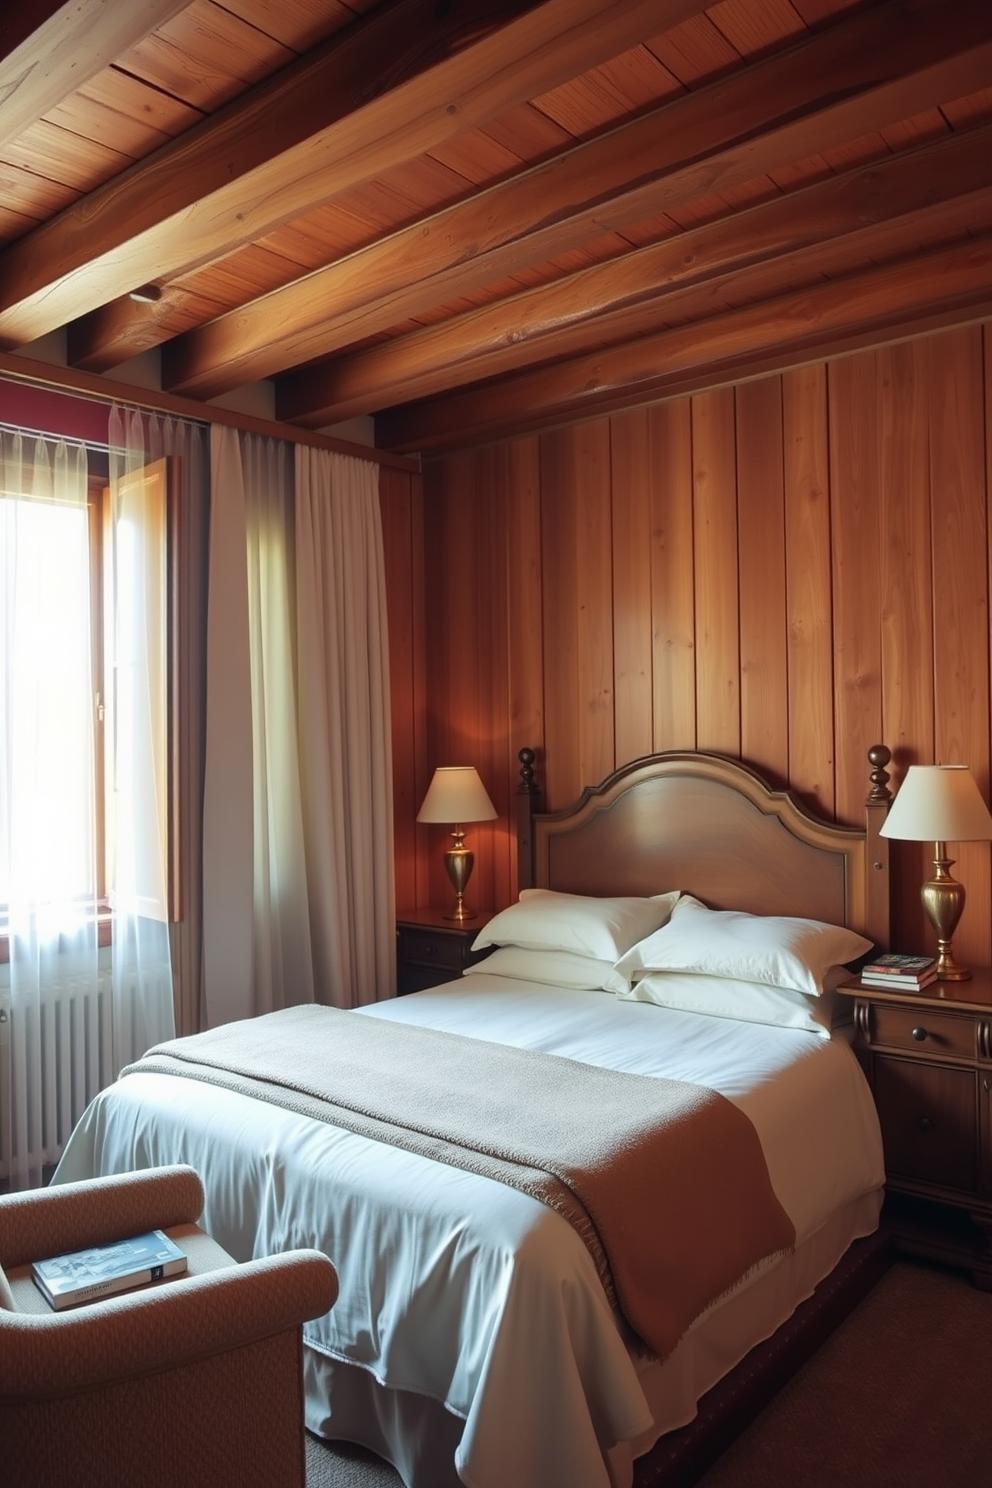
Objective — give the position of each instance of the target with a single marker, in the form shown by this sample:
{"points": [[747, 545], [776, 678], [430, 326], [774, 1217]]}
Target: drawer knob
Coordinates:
{"points": [[926, 1123], [920, 1035]]}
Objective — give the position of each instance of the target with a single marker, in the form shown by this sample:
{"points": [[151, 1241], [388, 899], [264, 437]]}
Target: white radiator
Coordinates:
{"points": [[70, 1045]]}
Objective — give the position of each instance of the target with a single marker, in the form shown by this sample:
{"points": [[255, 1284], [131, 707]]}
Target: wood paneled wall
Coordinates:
{"points": [[787, 571]]}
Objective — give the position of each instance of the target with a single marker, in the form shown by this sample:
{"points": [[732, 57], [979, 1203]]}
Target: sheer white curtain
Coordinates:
{"points": [[48, 860], [298, 898], [146, 454], [344, 725]]}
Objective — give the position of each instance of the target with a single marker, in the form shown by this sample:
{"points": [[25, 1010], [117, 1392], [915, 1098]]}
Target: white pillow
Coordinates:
{"points": [[544, 920], [777, 950], [553, 968], [749, 1002]]}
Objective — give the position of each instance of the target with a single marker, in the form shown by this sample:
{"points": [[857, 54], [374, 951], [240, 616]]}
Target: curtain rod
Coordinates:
{"points": [[103, 390], [90, 444]]}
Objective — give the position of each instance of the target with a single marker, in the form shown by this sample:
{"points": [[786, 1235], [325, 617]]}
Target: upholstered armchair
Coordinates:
{"points": [[197, 1379]]}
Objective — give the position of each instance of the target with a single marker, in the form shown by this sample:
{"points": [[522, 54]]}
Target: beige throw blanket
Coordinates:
{"points": [[664, 1180]]}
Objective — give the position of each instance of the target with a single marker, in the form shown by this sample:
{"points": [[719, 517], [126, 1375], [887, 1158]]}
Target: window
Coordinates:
{"points": [[83, 685], [47, 809]]}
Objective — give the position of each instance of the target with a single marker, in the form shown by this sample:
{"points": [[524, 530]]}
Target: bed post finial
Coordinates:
{"points": [[528, 801], [879, 923], [879, 756]]}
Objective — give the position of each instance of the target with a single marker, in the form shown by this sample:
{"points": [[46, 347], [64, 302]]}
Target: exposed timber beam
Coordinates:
{"points": [[948, 286], [49, 49], [301, 138], [842, 83], [945, 187]]}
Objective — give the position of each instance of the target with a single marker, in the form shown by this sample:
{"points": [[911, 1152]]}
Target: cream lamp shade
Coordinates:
{"points": [[940, 804], [456, 795]]}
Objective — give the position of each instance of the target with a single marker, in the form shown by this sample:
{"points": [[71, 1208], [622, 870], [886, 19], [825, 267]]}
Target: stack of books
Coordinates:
{"points": [[894, 970]]}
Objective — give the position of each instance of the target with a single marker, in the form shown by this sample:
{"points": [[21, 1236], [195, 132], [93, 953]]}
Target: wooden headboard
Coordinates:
{"points": [[711, 826]]}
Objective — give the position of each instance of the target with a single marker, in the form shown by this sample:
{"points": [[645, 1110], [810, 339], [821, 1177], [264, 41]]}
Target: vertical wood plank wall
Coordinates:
{"points": [[788, 571]]}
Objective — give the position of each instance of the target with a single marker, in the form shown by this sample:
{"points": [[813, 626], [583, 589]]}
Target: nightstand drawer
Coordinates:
{"points": [[923, 1030], [929, 1119], [429, 948]]}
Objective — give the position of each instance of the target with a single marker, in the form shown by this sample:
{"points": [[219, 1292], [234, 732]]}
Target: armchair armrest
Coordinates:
{"points": [[125, 1337], [72, 1216]]}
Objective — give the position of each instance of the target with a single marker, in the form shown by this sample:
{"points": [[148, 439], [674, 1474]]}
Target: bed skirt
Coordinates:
{"points": [[421, 1438]]}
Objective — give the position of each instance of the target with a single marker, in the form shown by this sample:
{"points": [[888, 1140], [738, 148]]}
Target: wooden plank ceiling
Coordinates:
{"points": [[474, 219]]}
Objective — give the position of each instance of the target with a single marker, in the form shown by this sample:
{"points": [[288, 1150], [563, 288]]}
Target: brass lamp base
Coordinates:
{"points": [[943, 900], [459, 861]]}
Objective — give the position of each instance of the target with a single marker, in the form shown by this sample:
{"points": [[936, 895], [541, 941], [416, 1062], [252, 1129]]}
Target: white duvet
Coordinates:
{"points": [[459, 1290]]}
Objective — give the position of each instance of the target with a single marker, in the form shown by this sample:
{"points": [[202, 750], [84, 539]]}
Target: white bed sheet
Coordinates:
{"points": [[467, 1293]]}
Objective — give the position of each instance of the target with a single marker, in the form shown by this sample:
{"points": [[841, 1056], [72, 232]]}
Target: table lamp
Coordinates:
{"points": [[456, 795], [940, 804]]}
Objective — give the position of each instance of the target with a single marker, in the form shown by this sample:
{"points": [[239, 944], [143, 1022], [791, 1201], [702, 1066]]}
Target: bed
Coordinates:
{"points": [[476, 1339]]}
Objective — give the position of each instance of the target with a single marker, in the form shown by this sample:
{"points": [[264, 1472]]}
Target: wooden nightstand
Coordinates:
{"points": [[928, 1059], [431, 949]]}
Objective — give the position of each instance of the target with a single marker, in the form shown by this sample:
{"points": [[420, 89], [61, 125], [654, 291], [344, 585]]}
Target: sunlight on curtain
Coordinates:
{"points": [[142, 447], [47, 794]]}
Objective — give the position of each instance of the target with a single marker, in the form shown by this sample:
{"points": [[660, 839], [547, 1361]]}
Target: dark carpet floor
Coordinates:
{"points": [[900, 1394]]}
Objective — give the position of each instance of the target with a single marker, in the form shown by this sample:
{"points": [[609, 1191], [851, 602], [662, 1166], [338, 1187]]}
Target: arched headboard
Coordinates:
{"points": [[710, 826]]}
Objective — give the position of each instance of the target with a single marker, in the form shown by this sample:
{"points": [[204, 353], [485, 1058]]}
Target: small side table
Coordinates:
{"points": [[431, 949], [928, 1059]]}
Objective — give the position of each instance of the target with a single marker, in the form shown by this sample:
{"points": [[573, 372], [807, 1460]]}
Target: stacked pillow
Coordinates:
{"points": [[778, 969], [569, 940], [672, 950]]}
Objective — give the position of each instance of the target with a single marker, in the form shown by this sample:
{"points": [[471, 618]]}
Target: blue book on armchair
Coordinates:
{"points": [[86, 1275]]}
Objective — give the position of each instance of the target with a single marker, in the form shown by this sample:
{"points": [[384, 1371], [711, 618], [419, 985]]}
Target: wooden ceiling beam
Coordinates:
{"points": [[49, 49], [294, 142], [643, 291], [946, 286], [842, 83]]}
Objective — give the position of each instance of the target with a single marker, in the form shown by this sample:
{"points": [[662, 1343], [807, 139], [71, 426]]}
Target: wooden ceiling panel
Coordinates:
{"points": [[696, 52], [754, 30], [205, 56], [527, 133], [242, 276], [32, 197], [478, 158], [491, 216], [326, 235], [61, 155], [608, 94], [115, 106], [300, 24]]}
